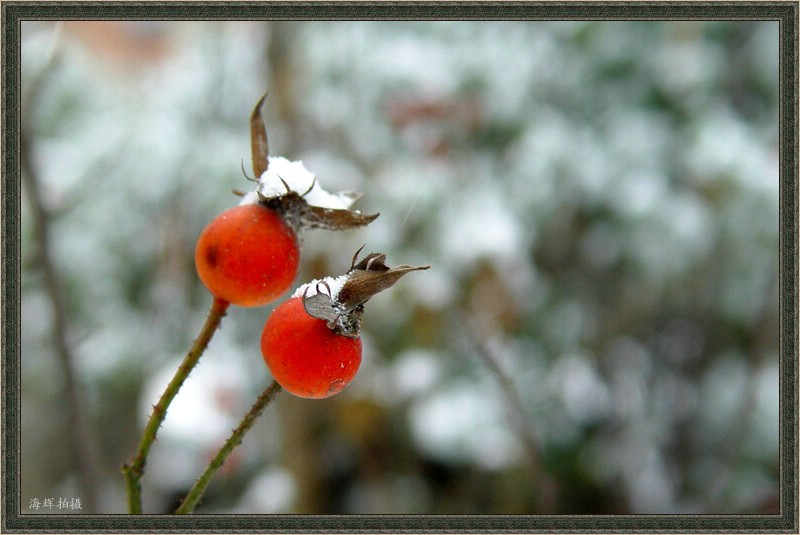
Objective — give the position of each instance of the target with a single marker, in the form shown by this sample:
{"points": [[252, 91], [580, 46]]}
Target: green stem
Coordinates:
{"points": [[196, 493], [133, 470]]}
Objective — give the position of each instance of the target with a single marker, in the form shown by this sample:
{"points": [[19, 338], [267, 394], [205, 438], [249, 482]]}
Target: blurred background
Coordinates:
{"points": [[598, 332]]}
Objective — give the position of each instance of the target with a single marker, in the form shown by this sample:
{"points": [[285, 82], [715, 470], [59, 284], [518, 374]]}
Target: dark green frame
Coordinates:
{"points": [[786, 13]]}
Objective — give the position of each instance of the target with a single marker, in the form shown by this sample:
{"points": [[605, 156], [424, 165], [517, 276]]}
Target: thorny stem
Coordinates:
{"points": [[134, 469], [196, 493]]}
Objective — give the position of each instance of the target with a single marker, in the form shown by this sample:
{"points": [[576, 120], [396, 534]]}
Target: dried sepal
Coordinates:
{"points": [[342, 310], [340, 320], [371, 262], [371, 276], [336, 218], [321, 305], [302, 215], [291, 204], [258, 139]]}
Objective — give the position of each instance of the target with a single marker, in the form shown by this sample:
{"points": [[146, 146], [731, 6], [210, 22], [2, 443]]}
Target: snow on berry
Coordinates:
{"points": [[330, 286], [249, 255], [311, 342], [340, 300], [293, 191], [282, 173]]}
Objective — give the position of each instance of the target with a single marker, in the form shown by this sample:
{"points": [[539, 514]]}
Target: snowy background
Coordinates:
{"points": [[598, 332]]}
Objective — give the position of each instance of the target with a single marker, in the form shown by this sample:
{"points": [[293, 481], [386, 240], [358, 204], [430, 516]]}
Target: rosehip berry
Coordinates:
{"points": [[305, 356], [248, 255], [311, 342]]}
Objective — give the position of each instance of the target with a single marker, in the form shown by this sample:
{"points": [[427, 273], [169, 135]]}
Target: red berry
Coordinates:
{"points": [[304, 355], [247, 256]]}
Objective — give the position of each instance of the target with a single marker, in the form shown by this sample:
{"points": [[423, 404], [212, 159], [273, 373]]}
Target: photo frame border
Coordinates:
{"points": [[14, 12]]}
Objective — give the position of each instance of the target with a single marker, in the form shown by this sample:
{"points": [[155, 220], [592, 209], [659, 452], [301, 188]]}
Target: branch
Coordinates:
{"points": [[81, 435], [134, 469], [543, 484], [196, 493]]}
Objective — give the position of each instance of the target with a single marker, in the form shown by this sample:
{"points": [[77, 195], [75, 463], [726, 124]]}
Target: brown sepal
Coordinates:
{"points": [[370, 276], [342, 321], [291, 205], [320, 305], [301, 215], [258, 140], [365, 279]]}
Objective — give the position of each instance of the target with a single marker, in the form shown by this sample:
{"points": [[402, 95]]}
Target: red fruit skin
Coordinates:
{"points": [[247, 256], [307, 358]]}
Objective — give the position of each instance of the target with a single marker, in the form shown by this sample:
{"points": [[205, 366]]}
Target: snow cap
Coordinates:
{"points": [[282, 173]]}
